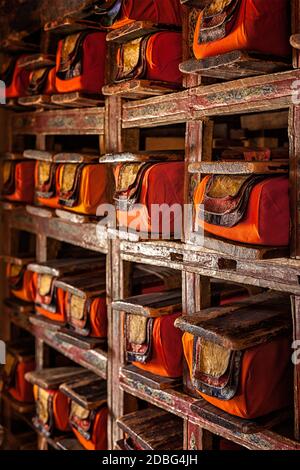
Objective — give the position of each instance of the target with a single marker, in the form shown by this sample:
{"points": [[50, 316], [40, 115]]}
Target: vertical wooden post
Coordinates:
{"points": [[294, 136], [296, 357], [196, 288], [295, 13], [197, 438]]}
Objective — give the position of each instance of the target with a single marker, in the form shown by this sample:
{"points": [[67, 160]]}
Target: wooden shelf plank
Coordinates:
{"points": [[136, 30], [262, 93], [239, 168], [37, 102], [76, 100], [136, 89], [153, 429], [94, 360], [86, 236], [89, 121], [234, 65], [180, 404], [281, 274]]}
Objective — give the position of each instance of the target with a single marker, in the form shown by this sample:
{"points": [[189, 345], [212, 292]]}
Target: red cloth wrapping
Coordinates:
{"points": [[24, 183], [162, 184], [99, 432], [164, 54], [23, 390], [157, 11], [167, 353], [93, 66], [20, 82]]}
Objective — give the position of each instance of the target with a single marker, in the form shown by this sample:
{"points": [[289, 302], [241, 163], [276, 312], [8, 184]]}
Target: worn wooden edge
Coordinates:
{"points": [[239, 425], [233, 65], [154, 381], [52, 378], [40, 155], [68, 443], [151, 427], [69, 389], [82, 342], [11, 156], [201, 4], [75, 158], [264, 333], [156, 157], [39, 321], [77, 100], [239, 168], [137, 89], [96, 291], [129, 308], [75, 218], [135, 30], [37, 101], [42, 212], [69, 25], [37, 61], [238, 250]]}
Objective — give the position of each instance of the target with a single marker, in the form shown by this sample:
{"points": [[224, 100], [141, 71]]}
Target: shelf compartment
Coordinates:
{"points": [[261, 93], [94, 360], [180, 404], [76, 100], [147, 379], [138, 89], [153, 429], [37, 102], [234, 65]]}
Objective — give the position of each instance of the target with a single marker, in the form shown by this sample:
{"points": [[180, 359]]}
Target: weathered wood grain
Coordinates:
{"points": [[61, 122]]}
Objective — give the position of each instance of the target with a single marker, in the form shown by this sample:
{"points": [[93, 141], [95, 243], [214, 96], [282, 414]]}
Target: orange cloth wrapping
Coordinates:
{"points": [[51, 202], [162, 184], [60, 314], [157, 11], [159, 57], [60, 408], [98, 318], [167, 354], [92, 190], [265, 379], [50, 87], [28, 290], [19, 83], [24, 183], [259, 26], [92, 58], [99, 432], [266, 220], [22, 390]]}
